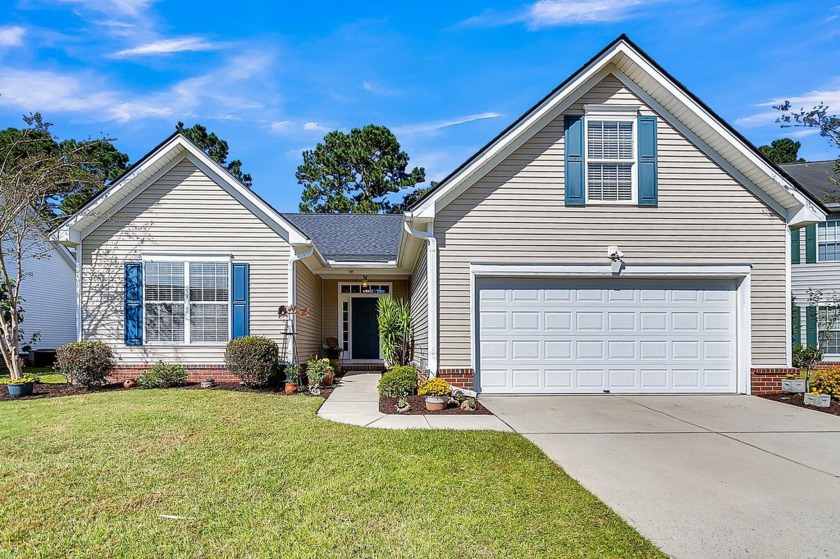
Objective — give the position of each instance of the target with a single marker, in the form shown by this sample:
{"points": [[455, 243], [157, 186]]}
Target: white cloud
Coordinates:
{"points": [[315, 127], [280, 125], [436, 126], [378, 89], [554, 13], [11, 36], [229, 90], [830, 97], [169, 46]]}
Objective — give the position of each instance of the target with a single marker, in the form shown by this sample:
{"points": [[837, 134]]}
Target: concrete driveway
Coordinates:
{"points": [[700, 476]]}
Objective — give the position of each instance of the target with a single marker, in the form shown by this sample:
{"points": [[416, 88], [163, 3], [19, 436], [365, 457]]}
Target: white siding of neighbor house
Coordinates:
{"points": [[419, 302], [516, 214], [818, 276], [49, 293], [308, 295], [184, 211]]}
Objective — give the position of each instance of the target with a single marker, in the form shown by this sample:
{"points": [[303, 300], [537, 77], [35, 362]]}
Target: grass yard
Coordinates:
{"points": [[46, 374], [257, 475]]}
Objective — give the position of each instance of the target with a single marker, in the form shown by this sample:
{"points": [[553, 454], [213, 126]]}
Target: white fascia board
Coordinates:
{"points": [[390, 265], [78, 221], [513, 138], [723, 270], [713, 123], [805, 215]]}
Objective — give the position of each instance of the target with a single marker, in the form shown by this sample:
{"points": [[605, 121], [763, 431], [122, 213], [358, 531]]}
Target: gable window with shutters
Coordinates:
{"points": [[178, 301]]}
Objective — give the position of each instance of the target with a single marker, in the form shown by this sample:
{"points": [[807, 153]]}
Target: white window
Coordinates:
{"points": [[186, 302], [829, 330], [610, 157], [828, 241]]}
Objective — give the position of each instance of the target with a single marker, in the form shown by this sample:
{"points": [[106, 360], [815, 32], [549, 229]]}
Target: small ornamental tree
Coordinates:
{"points": [[31, 176]]}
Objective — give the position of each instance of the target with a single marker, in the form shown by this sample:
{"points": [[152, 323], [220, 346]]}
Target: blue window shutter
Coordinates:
{"points": [[811, 326], [574, 161], [240, 315], [797, 325], [133, 303], [648, 188], [795, 247]]}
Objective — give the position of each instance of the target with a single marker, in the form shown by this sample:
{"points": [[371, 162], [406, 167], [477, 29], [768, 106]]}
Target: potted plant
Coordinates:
{"points": [[437, 391], [22, 386], [818, 400], [469, 405], [403, 405], [292, 379], [318, 371], [333, 352]]}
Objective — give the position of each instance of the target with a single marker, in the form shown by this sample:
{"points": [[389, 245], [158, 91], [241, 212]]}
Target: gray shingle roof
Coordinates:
{"points": [[352, 237], [813, 176]]}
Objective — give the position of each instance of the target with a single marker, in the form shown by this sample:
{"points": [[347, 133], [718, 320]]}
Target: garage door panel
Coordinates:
{"points": [[589, 336]]}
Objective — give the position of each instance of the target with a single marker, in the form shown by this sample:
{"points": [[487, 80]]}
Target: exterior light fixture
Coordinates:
{"points": [[616, 259]]}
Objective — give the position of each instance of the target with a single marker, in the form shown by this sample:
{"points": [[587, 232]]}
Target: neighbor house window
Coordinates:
{"points": [[610, 156], [829, 330], [187, 302], [828, 241]]}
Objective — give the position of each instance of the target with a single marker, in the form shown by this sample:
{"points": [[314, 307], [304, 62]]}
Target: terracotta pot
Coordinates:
{"points": [[290, 388], [329, 380], [435, 403], [129, 383]]}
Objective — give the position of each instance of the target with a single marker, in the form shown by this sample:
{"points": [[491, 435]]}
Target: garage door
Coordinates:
{"points": [[617, 335]]}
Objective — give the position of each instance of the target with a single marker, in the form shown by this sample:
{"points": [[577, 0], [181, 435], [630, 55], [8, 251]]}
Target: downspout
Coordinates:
{"points": [[293, 280], [79, 324], [431, 290]]}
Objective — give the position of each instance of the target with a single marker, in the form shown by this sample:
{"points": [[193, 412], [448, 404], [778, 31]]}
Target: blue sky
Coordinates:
{"points": [[272, 77]]}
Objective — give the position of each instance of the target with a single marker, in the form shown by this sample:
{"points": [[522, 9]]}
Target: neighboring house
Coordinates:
{"points": [[815, 255], [512, 264], [49, 295]]}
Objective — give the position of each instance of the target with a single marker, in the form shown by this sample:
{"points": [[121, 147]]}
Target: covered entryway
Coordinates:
{"points": [[618, 335]]}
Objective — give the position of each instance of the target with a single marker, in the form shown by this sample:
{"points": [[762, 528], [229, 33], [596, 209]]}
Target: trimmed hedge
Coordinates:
{"points": [[398, 381], [162, 375], [253, 359], [85, 363]]}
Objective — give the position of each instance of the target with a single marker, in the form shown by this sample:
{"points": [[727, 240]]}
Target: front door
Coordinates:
{"points": [[365, 335]]}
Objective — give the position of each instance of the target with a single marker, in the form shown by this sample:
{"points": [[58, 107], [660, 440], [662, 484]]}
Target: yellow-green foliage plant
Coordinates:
{"points": [[435, 386], [826, 381]]}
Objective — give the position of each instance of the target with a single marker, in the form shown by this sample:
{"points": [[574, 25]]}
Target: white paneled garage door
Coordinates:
{"points": [[622, 335]]}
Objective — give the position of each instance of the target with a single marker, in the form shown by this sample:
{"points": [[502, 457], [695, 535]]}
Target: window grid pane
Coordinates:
{"points": [[209, 297], [828, 241], [165, 322], [610, 140], [610, 182], [829, 340], [208, 322]]}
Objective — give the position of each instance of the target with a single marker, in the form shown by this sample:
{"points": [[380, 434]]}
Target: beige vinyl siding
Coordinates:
{"points": [[516, 214], [419, 301], [308, 293], [330, 318], [184, 211]]}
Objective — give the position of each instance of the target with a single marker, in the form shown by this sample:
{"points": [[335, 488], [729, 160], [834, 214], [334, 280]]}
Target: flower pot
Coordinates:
{"points": [[329, 380], [436, 403], [818, 400], [290, 388], [209, 383], [19, 389], [793, 385], [129, 383]]}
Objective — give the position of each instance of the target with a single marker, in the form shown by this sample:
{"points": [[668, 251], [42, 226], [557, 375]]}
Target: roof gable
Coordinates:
{"points": [[147, 170], [623, 59]]}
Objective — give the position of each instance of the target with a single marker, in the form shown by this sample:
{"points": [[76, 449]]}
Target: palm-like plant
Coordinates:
{"points": [[394, 318]]}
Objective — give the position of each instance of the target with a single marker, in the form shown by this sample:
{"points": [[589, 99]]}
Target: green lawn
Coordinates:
{"points": [[258, 475], [46, 374]]}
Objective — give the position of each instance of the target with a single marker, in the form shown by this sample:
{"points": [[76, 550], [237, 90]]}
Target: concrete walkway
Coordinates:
{"points": [[700, 476], [355, 401]]}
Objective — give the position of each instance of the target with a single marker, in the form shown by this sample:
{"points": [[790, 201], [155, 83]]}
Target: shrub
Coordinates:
{"points": [[162, 375], [85, 363], [398, 381], [253, 359], [317, 370], [826, 381], [435, 386]]}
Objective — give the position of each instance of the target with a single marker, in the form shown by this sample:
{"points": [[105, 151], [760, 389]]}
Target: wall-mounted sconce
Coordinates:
{"points": [[616, 259]]}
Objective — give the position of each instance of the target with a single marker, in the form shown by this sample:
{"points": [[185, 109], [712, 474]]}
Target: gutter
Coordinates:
{"points": [[431, 288]]}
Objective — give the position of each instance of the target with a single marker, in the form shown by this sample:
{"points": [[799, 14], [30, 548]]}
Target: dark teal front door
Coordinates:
{"points": [[365, 328]]}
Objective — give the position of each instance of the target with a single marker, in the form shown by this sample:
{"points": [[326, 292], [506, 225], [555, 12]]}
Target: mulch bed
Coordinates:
{"points": [[799, 400], [388, 404], [44, 390]]}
